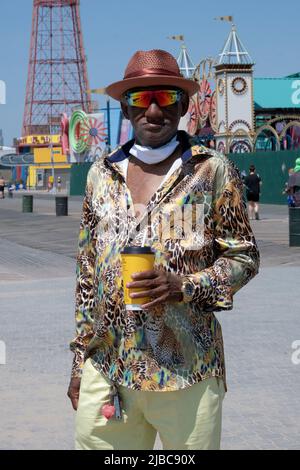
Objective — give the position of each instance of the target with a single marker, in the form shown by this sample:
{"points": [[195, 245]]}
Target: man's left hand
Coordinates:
{"points": [[159, 285]]}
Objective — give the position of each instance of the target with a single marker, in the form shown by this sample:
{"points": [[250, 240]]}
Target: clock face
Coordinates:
{"points": [[239, 85], [221, 86]]}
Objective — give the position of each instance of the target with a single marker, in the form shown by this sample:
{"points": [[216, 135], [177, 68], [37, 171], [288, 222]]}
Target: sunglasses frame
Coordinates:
{"points": [[178, 92]]}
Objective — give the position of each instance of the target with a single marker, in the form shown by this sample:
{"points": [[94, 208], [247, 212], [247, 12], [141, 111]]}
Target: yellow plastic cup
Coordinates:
{"points": [[135, 259]]}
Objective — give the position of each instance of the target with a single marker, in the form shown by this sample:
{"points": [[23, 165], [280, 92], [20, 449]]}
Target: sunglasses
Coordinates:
{"points": [[142, 99]]}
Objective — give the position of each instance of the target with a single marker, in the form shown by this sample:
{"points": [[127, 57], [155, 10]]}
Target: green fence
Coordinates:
{"points": [[272, 167], [79, 173]]}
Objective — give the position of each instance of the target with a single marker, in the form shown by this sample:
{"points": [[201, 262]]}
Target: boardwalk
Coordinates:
{"points": [[37, 269]]}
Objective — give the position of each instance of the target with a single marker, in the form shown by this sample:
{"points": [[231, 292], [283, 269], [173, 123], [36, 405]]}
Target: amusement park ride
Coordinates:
{"points": [[57, 74], [57, 85]]}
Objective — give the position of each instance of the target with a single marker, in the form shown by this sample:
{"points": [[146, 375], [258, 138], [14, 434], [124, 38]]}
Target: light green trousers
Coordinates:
{"points": [[185, 419]]}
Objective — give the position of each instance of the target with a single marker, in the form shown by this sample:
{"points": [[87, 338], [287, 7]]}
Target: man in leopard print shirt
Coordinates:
{"points": [[164, 364]]}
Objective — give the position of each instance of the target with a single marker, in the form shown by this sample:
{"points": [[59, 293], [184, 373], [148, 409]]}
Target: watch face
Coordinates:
{"points": [[189, 289]]}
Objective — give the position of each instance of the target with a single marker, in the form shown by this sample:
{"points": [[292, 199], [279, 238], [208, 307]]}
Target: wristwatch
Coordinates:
{"points": [[188, 290]]}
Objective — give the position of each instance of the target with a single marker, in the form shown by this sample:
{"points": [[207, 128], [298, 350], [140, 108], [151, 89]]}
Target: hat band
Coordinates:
{"points": [[145, 72]]}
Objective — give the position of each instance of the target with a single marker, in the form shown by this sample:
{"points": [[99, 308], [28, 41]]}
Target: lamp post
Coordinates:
{"points": [[108, 124], [53, 189]]}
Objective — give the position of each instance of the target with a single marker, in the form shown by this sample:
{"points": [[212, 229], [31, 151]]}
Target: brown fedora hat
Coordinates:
{"points": [[150, 68]]}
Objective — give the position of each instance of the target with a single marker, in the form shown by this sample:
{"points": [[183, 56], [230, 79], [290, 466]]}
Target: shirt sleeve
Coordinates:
{"points": [[236, 253], [84, 296]]}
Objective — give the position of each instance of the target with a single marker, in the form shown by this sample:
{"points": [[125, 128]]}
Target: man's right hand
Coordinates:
{"points": [[73, 391]]}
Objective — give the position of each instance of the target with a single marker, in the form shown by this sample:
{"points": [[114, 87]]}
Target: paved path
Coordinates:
{"points": [[37, 275]]}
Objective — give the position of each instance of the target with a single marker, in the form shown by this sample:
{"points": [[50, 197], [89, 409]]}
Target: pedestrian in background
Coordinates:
{"points": [[2, 186], [59, 184], [253, 183], [11, 188]]}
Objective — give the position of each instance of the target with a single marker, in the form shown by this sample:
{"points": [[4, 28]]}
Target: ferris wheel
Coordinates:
{"points": [[204, 100], [193, 115], [213, 112]]}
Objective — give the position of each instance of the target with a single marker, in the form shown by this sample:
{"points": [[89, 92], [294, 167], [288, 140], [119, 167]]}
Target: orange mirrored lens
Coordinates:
{"points": [[143, 99]]}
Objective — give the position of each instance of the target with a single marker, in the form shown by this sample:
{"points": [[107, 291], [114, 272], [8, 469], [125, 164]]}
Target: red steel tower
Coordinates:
{"points": [[57, 76]]}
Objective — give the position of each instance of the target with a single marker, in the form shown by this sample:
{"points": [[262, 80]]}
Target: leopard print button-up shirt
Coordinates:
{"points": [[177, 344]]}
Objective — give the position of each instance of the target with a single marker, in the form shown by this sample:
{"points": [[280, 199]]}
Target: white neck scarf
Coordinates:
{"points": [[152, 156]]}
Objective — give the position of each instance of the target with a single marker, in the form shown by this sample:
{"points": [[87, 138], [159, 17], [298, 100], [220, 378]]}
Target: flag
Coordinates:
{"points": [[179, 37], [224, 18]]}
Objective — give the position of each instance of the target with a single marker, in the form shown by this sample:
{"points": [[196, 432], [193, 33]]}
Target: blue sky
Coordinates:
{"points": [[113, 30]]}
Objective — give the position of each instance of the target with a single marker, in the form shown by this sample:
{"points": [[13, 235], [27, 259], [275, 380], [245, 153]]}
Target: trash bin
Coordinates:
{"points": [[294, 226], [27, 204], [61, 206]]}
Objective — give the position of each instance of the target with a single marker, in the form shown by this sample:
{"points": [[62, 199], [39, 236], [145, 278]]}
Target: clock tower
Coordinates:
{"points": [[234, 97]]}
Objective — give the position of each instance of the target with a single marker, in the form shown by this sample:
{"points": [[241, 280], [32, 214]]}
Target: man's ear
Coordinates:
{"points": [[185, 101], [124, 108]]}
